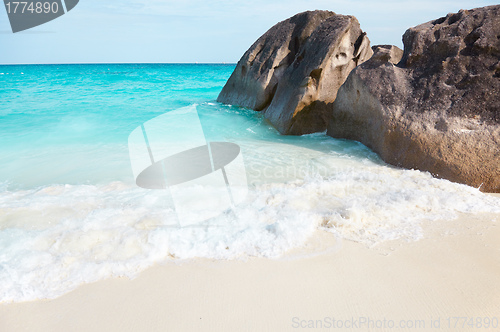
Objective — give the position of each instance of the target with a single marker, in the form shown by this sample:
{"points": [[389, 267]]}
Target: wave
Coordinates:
{"points": [[55, 238]]}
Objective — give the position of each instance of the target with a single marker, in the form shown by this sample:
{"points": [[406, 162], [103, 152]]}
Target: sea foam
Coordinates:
{"points": [[58, 237], [70, 212]]}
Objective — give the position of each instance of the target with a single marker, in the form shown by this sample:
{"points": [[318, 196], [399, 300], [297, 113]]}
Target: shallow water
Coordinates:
{"points": [[71, 213]]}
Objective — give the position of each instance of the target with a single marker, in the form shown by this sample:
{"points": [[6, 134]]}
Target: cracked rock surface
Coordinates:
{"points": [[293, 72], [438, 109]]}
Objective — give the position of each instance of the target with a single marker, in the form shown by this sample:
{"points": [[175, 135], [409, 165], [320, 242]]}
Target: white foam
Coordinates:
{"points": [[58, 237]]}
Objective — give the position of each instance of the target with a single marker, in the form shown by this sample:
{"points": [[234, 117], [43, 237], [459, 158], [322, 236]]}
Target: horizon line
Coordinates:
{"points": [[119, 63]]}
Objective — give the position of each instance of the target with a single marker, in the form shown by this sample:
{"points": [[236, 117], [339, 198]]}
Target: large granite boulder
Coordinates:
{"points": [[438, 109], [295, 69]]}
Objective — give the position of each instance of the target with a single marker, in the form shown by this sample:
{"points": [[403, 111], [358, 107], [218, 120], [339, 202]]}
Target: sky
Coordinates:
{"points": [[188, 31]]}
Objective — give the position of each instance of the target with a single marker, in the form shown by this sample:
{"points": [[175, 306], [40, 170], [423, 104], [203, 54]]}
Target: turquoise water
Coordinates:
{"points": [[69, 123], [71, 213]]}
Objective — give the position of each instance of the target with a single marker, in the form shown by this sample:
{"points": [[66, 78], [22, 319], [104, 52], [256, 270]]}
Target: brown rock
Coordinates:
{"points": [[296, 68], [438, 110], [386, 53]]}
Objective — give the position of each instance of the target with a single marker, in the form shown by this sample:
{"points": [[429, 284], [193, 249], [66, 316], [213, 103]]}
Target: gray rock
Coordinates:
{"points": [[438, 109], [295, 69], [386, 53]]}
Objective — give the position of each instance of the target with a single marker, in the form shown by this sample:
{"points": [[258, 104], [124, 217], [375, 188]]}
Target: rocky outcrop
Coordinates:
{"points": [[294, 70], [385, 53], [438, 109]]}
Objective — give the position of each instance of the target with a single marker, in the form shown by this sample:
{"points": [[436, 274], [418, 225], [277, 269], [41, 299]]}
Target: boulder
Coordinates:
{"points": [[385, 53], [295, 69], [438, 109]]}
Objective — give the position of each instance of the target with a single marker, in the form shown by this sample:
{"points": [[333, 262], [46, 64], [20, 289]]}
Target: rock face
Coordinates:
{"points": [[295, 69], [385, 53], [438, 109]]}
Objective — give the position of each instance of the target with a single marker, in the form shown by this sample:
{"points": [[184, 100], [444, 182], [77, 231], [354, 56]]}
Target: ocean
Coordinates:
{"points": [[71, 211]]}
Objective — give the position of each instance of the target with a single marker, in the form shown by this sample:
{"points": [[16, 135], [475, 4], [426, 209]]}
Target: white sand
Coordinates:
{"points": [[454, 271]]}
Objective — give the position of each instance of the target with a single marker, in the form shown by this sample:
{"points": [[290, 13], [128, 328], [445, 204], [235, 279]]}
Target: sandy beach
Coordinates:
{"points": [[431, 284], [233, 166]]}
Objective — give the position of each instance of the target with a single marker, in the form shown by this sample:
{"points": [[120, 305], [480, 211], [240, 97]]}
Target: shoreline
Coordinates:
{"points": [[451, 272]]}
